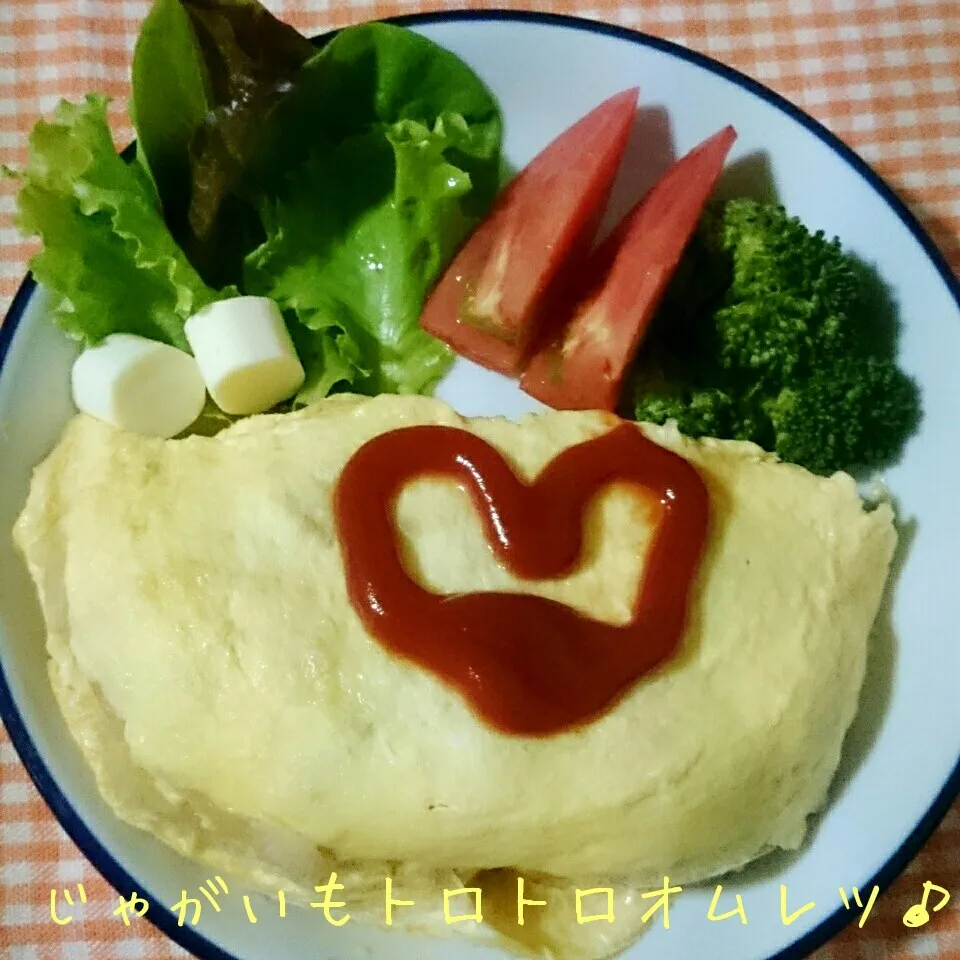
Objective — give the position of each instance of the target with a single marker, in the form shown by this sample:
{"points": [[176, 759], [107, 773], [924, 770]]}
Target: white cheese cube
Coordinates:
{"points": [[245, 354], [139, 385]]}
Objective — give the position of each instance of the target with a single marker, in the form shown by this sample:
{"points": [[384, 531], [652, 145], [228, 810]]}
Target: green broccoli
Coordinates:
{"points": [[852, 414], [774, 334]]}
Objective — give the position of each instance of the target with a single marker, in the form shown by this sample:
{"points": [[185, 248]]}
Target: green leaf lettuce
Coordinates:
{"points": [[337, 181], [107, 258], [371, 174], [205, 74], [355, 242]]}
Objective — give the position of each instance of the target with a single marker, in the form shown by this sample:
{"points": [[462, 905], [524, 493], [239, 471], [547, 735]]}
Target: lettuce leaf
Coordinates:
{"points": [[170, 96], [205, 73], [355, 243], [337, 181], [370, 174], [108, 258]]}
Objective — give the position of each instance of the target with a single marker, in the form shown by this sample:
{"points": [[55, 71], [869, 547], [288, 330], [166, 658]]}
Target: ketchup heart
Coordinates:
{"points": [[526, 664]]}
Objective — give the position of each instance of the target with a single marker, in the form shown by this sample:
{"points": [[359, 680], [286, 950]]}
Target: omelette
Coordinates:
{"points": [[209, 663]]}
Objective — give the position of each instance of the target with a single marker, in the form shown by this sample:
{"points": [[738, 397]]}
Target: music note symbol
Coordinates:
{"points": [[918, 914]]}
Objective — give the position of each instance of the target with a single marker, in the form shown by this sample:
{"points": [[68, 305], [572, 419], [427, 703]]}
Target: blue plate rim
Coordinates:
{"points": [[122, 881]]}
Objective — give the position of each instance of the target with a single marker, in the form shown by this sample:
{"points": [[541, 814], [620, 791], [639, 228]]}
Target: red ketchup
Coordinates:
{"points": [[527, 665]]}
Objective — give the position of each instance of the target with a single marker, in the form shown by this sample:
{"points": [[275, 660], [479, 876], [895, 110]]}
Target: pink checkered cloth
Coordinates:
{"points": [[882, 74]]}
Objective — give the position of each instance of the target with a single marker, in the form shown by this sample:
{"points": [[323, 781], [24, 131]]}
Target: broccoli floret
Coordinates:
{"points": [[795, 297], [772, 333], [699, 413], [853, 414]]}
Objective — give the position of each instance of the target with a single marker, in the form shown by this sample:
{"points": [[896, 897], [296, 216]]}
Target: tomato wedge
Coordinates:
{"points": [[489, 303], [583, 366]]}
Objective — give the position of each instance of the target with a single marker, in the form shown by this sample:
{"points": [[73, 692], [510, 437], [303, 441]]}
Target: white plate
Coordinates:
{"points": [[900, 770]]}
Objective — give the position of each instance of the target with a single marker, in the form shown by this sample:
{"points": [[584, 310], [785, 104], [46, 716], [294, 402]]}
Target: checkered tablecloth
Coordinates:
{"points": [[882, 74]]}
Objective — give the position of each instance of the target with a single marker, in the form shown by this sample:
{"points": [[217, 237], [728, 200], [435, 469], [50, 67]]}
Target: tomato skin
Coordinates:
{"points": [[494, 296], [583, 366]]}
